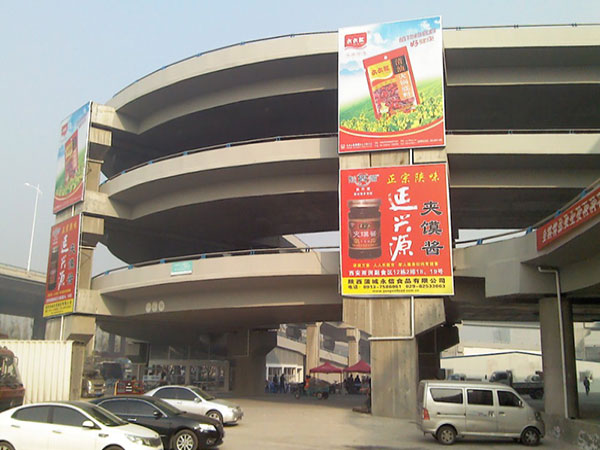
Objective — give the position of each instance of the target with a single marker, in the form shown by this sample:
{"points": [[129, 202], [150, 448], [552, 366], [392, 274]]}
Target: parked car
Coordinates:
{"points": [[177, 429], [71, 426], [451, 409], [194, 400]]}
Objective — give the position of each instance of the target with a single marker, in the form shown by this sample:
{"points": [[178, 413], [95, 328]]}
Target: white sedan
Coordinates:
{"points": [[71, 426], [194, 400]]}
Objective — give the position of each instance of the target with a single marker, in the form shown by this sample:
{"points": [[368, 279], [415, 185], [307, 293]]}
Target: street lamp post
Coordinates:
{"points": [[38, 192]]}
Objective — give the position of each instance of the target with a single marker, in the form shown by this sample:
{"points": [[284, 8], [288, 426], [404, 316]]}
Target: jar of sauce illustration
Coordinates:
{"points": [[364, 229]]}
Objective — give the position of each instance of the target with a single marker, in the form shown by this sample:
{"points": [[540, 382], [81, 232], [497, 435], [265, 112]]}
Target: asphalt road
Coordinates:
{"points": [[279, 421]]}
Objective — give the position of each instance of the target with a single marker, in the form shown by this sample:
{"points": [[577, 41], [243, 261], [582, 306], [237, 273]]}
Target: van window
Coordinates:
{"points": [[506, 398], [441, 395], [479, 397]]}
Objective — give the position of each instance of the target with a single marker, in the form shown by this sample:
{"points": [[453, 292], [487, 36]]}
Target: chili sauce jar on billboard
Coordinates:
{"points": [[364, 229], [391, 82]]}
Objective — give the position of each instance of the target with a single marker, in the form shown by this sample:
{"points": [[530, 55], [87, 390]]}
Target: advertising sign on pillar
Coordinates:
{"points": [[390, 86], [72, 154], [63, 262], [395, 231]]}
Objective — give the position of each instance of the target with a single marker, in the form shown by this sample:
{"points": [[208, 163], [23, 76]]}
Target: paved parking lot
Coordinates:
{"points": [[279, 421]]}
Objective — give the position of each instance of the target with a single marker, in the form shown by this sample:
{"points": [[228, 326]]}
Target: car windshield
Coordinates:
{"points": [[102, 415], [201, 393]]}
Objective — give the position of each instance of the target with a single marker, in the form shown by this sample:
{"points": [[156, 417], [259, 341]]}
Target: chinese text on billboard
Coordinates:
{"points": [[576, 215], [395, 231], [61, 277]]}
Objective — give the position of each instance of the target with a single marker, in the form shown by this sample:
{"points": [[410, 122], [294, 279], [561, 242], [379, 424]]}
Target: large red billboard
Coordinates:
{"points": [[395, 231], [63, 262]]}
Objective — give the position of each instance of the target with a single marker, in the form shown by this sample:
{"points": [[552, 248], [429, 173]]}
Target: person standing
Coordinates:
{"points": [[275, 384], [586, 385], [282, 383]]}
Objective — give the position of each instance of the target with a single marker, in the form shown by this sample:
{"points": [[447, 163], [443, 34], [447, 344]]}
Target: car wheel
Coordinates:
{"points": [[214, 414], [446, 435], [325, 395], [6, 446], [319, 395], [530, 436], [113, 447], [185, 440]]}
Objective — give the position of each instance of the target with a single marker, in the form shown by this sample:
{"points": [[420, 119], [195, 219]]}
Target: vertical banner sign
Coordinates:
{"points": [[390, 86], [395, 231], [72, 153], [63, 261]]}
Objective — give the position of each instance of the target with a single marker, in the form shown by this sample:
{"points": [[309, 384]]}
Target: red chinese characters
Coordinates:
{"points": [[395, 231], [61, 276], [579, 213]]}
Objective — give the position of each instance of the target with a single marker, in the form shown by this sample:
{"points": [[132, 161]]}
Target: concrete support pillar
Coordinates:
{"points": [[39, 327], [74, 327], [431, 344], [394, 353], [558, 358], [248, 350], [394, 378], [353, 336], [429, 356], [313, 346], [394, 347], [111, 343]]}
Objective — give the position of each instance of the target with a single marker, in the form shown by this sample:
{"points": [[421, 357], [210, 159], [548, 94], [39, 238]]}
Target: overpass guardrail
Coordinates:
{"points": [[325, 135], [200, 256]]}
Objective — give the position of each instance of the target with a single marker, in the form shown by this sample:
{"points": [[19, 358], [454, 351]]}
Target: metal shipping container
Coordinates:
{"points": [[50, 370]]}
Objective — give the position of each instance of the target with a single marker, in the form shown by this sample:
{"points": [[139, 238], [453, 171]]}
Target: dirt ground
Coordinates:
{"points": [[279, 421]]}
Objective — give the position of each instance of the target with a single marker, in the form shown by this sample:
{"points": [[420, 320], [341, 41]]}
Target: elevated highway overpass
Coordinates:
{"points": [[21, 294], [229, 150]]}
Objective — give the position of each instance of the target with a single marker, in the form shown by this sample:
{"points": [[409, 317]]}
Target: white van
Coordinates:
{"points": [[451, 409]]}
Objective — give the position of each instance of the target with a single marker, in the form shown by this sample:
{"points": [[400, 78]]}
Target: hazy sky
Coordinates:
{"points": [[57, 55]]}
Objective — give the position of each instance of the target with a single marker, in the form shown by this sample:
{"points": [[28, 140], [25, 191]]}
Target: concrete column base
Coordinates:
{"points": [[395, 359], [560, 376], [394, 378], [248, 366]]}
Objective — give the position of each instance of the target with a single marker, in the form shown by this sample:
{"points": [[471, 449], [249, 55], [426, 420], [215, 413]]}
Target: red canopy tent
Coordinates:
{"points": [[359, 367], [326, 368]]}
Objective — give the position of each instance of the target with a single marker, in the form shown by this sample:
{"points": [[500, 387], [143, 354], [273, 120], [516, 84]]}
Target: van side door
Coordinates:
{"points": [[512, 413], [481, 412], [446, 405]]}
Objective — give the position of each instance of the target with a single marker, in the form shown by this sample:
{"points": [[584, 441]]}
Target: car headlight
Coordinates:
{"points": [[140, 440], [205, 427]]}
